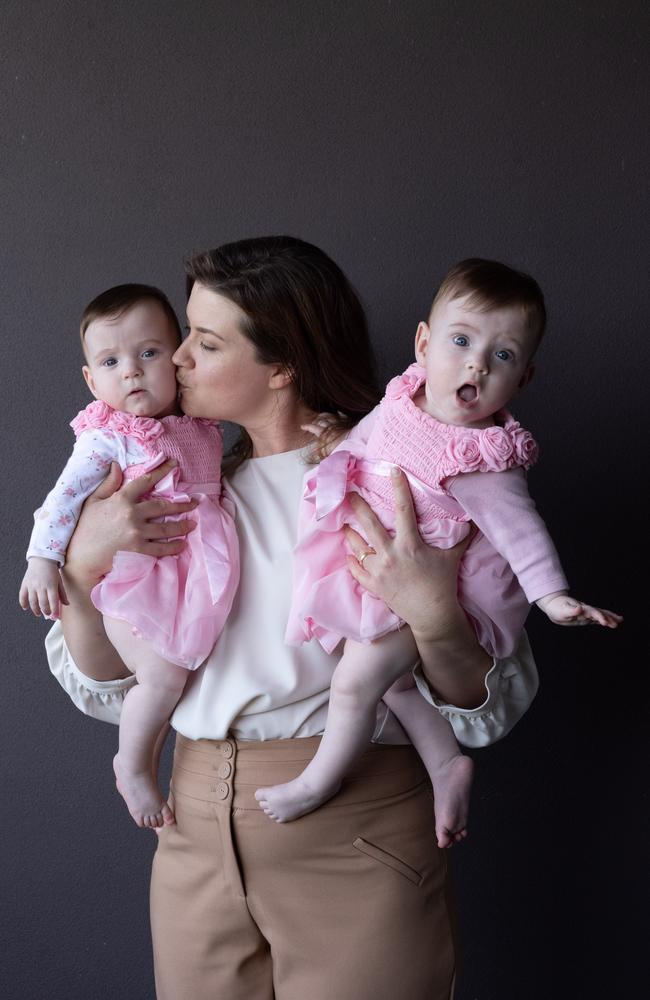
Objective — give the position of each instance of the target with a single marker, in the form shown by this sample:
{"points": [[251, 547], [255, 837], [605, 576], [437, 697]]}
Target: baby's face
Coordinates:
{"points": [[475, 361], [130, 361]]}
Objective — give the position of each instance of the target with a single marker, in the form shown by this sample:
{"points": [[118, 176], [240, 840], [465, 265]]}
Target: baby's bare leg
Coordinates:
{"points": [[362, 676], [433, 738], [145, 713]]}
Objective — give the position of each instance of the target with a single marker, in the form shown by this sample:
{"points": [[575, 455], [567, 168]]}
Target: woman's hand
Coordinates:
{"points": [[417, 581], [114, 519]]}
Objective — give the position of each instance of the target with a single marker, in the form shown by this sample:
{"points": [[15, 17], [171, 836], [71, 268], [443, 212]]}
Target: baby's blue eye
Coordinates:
{"points": [[503, 355], [461, 341], [149, 353], [110, 362]]}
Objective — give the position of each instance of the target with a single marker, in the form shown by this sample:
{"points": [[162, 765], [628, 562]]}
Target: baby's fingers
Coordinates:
{"points": [[63, 597], [608, 619]]}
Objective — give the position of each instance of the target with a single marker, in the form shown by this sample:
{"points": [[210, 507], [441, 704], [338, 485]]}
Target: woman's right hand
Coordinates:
{"points": [[114, 519]]}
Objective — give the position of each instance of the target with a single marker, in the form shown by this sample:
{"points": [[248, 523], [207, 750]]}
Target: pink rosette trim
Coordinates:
{"points": [[496, 448], [464, 454], [101, 416], [406, 384], [525, 447]]}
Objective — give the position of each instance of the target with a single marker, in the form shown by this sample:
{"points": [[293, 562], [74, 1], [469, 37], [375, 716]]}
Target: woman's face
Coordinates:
{"points": [[218, 374]]}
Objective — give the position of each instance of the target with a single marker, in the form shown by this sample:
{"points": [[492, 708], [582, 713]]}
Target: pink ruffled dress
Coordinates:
{"points": [[178, 603], [328, 604]]}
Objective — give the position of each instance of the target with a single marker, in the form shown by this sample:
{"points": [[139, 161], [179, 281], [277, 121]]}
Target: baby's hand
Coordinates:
{"points": [[42, 588], [319, 424], [565, 610]]}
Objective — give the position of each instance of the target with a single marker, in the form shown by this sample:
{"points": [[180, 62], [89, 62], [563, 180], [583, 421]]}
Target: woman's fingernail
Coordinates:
{"points": [[394, 471]]}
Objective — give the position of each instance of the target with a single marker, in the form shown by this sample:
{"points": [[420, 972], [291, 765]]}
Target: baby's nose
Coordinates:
{"points": [[477, 364]]}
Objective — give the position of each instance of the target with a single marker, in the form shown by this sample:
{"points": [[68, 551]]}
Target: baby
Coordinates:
{"points": [[162, 615], [444, 424]]}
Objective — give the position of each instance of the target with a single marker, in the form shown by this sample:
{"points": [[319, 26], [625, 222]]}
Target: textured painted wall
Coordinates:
{"points": [[399, 137]]}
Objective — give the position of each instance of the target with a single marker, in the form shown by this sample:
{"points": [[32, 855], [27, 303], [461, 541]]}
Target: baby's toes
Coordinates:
{"points": [[167, 815]]}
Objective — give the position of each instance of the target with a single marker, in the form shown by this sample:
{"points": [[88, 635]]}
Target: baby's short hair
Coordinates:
{"points": [[114, 302], [488, 284]]}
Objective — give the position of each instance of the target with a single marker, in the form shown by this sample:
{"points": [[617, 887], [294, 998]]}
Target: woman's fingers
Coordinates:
{"points": [[158, 507], [109, 485], [376, 534], [138, 487], [357, 542], [360, 574], [406, 527], [157, 530]]}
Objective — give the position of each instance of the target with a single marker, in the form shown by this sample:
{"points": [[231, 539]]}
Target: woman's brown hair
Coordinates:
{"points": [[303, 314]]}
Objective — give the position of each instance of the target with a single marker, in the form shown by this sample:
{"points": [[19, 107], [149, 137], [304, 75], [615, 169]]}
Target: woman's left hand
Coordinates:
{"points": [[417, 581]]}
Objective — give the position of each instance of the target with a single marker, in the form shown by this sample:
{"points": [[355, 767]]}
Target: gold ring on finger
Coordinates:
{"points": [[364, 555]]}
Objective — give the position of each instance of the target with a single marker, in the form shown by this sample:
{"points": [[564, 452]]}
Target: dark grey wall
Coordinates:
{"points": [[400, 137]]}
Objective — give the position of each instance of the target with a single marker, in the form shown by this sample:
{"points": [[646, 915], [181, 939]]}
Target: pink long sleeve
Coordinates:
{"points": [[502, 508]]}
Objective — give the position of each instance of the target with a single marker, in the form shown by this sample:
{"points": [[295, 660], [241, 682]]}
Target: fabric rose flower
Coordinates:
{"points": [[96, 414], [464, 453], [407, 383], [143, 429], [525, 447], [497, 448], [99, 415]]}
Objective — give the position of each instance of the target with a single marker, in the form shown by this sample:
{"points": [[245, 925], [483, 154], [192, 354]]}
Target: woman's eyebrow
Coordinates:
{"points": [[213, 333]]}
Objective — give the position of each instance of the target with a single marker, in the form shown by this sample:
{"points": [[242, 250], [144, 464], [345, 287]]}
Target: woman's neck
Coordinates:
{"points": [[282, 432]]}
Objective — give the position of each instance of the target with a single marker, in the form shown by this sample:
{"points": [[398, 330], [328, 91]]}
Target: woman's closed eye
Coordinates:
{"points": [[207, 347]]}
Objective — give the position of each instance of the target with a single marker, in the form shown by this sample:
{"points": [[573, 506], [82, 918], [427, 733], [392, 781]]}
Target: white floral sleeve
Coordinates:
{"points": [[89, 463]]}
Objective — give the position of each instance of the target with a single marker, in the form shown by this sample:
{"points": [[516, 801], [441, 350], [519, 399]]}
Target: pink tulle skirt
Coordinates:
{"points": [[179, 603]]}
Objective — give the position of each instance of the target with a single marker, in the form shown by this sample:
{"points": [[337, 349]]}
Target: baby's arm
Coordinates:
{"points": [[501, 506], [42, 589]]}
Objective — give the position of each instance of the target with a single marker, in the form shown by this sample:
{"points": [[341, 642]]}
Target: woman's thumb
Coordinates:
{"points": [[112, 483]]}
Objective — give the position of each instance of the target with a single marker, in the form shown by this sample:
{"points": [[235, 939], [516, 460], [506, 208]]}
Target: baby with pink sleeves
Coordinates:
{"points": [[444, 423], [163, 615]]}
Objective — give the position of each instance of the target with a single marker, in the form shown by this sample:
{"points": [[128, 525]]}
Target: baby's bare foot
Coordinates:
{"points": [[142, 796], [286, 802], [451, 787]]}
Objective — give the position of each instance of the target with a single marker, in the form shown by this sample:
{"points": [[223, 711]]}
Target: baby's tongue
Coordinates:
{"points": [[467, 393]]}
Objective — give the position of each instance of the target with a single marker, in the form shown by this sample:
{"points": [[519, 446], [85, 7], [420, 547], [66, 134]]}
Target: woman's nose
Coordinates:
{"points": [[182, 356]]}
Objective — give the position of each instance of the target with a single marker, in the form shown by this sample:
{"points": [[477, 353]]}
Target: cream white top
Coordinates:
{"points": [[253, 685]]}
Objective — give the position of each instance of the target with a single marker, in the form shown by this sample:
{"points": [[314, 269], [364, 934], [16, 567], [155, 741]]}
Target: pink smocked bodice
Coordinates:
{"points": [[433, 452], [194, 443]]}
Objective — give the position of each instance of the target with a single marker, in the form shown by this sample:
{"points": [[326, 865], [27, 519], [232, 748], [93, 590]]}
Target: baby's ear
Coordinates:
{"points": [[90, 382], [526, 378], [422, 337]]}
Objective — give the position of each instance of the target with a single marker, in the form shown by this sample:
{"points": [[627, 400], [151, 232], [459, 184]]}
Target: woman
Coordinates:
{"points": [[350, 901]]}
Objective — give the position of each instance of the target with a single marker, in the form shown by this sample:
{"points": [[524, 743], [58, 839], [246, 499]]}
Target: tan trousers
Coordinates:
{"points": [[347, 903]]}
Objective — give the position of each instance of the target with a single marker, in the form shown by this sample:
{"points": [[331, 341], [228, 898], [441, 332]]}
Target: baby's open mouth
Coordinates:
{"points": [[468, 393]]}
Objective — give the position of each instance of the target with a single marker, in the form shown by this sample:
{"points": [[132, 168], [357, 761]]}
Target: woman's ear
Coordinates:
{"points": [[90, 382], [422, 337], [280, 377]]}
